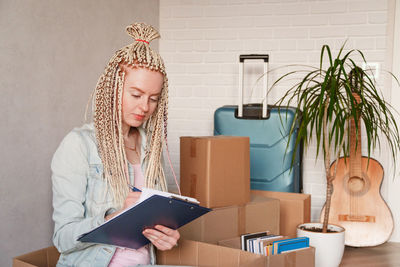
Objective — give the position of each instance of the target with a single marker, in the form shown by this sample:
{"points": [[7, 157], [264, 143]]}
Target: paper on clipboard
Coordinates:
{"points": [[147, 193]]}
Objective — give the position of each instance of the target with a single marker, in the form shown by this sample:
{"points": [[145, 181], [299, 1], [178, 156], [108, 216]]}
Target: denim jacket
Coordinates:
{"points": [[81, 198]]}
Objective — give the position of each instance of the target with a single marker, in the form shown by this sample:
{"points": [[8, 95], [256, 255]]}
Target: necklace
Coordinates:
{"points": [[134, 158]]}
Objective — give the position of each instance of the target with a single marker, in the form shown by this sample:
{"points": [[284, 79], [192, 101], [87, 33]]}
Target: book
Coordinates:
{"points": [[268, 240], [153, 208], [244, 239], [257, 244], [268, 250], [291, 244]]}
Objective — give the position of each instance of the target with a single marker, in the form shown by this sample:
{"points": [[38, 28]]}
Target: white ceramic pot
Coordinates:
{"points": [[329, 247]]}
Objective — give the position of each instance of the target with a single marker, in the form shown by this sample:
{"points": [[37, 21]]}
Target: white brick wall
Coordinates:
{"points": [[201, 41]]}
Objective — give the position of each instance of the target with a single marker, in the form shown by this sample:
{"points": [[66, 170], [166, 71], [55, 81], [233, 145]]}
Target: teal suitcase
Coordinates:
{"points": [[268, 128]]}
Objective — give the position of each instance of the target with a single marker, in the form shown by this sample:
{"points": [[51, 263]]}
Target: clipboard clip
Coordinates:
{"points": [[184, 200]]}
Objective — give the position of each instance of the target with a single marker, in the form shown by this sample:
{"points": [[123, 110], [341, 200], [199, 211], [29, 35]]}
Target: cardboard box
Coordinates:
{"points": [[215, 170], [223, 223], [190, 253], [46, 257], [295, 209], [202, 254]]}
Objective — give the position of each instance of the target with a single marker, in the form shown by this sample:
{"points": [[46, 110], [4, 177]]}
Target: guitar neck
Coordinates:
{"points": [[355, 147]]}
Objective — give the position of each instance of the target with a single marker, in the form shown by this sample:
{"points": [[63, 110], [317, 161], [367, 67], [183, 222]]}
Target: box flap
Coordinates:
{"points": [[46, 257], [282, 195], [213, 226], [254, 210], [231, 243]]}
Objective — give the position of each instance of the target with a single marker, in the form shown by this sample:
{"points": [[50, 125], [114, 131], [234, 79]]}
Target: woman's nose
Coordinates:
{"points": [[144, 105]]}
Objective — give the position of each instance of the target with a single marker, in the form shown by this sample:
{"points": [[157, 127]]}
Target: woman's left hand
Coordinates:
{"points": [[162, 237]]}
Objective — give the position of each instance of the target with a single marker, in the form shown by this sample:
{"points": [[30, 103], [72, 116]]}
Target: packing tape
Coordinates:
{"points": [[193, 147], [193, 185]]}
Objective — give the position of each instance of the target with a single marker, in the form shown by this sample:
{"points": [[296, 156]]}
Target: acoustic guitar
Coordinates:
{"points": [[357, 204]]}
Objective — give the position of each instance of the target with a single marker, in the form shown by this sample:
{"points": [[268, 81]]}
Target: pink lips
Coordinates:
{"points": [[138, 117]]}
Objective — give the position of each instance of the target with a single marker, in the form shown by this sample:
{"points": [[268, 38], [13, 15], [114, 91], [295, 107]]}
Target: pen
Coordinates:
{"points": [[134, 189]]}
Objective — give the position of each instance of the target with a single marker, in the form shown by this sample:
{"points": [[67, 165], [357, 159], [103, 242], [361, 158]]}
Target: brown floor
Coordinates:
{"points": [[385, 255]]}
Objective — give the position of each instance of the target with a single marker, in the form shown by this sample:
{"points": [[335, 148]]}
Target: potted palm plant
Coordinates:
{"points": [[334, 100]]}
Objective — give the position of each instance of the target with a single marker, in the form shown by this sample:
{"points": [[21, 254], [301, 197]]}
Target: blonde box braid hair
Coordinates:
{"points": [[108, 114]]}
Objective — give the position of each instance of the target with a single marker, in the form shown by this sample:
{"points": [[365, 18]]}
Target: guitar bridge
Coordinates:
{"points": [[356, 218]]}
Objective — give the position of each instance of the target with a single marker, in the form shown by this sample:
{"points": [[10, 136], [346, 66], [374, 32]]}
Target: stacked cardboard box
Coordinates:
{"points": [[295, 209], [260, 214], [216, 171]]}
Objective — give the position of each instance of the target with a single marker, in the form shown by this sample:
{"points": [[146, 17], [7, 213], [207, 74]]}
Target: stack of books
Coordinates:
{"points": [[267, 244]]}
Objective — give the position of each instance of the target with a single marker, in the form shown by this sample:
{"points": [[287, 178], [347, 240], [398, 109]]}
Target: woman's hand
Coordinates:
{"points": [[130, 199], [162, 237]]}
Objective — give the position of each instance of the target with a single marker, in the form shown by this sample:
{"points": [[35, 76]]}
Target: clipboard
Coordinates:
{"points": [[125, 230]]}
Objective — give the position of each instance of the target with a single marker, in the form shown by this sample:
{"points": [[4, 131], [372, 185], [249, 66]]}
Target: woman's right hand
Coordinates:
{"points": [[130, 199]]}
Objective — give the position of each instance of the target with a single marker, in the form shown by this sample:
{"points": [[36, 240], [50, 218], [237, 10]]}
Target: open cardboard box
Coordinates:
{"points": [[196, 253], [192, 253], [46, 257], [295, 209]]}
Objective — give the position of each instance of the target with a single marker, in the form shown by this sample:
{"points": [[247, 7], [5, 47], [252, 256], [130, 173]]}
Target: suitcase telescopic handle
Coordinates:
{"points": [[242, 58], [264, 57]]}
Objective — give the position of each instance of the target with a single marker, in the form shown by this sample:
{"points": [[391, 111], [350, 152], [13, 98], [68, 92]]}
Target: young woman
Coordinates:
{"points": [[95, 165]]}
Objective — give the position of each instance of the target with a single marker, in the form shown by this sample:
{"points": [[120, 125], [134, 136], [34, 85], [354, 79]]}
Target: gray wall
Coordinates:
{"points": [[51, 55]]}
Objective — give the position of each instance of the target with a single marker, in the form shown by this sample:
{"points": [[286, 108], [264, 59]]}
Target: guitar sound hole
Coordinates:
{"points": [[356, 184]]}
